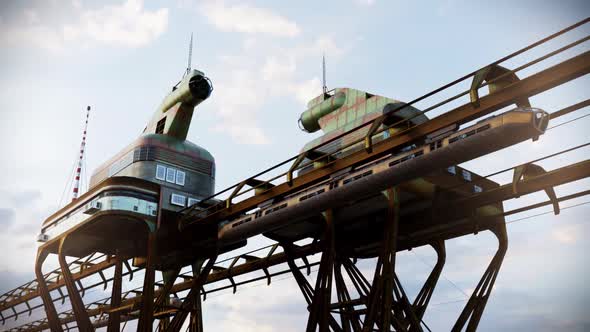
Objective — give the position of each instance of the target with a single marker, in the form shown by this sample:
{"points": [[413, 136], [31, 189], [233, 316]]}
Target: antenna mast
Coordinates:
{"points": [[190, 55], [76, 189], [324, 87]]}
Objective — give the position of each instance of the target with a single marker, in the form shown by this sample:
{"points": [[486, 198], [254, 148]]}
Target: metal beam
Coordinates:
{"points": [[114, 324], [89, 270], [146, 314], [82, 319], [53, 321], [474, 308]]}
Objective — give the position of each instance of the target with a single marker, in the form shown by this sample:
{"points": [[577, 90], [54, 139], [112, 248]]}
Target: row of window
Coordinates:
{"points": [[180, 200], [466, 176], [170, 174]]}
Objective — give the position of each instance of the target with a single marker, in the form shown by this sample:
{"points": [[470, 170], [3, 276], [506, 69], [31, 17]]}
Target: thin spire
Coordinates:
{"points": [[324, 86], [190, 55], [76, 189]]}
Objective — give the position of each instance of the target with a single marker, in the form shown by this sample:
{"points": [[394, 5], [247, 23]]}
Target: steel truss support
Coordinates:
{"points": [[474, 308], [386, 291], [114, 324], [319, 310], [189, 305], [350, 318], [196, 312], [146, 314], [423, 298], [318, 301], [82, 319], [52, 317], [169, 277]]}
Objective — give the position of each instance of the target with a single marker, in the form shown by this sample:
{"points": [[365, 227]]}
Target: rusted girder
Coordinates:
{"points": [[192, 298], [146, 314], [53, 321], [34, 292], [114, 324], [319, 309], [82, 319], [388, 304], [423, 298], [474, 308]]}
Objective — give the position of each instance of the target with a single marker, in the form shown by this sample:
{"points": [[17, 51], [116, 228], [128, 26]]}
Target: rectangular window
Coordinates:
{"points": [[452, 170], [176, 199], [192, 201], [180, 177], [466, 175], [170, 175], [161, 172], [160, 126]]}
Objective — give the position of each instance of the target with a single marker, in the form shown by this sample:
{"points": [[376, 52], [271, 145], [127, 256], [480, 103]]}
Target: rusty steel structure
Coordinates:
{"points": [[364, 302]]}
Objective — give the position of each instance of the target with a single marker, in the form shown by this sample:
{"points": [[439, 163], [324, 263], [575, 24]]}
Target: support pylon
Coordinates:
{"points": [[114, 324], [386, 291], [474, 308], [319, 310], [52, 317], [188, 304], [80, 313], [423, 298], [146, 314]]}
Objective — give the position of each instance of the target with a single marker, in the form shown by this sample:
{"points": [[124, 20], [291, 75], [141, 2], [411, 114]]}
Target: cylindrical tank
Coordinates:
{"points": [[309, 120]]}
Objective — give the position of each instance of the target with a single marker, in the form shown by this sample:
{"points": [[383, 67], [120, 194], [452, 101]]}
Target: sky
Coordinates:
{"points": [[264, 59]]}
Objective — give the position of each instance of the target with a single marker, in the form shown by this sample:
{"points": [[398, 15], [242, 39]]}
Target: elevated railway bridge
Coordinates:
{"points": [[455, 203]]}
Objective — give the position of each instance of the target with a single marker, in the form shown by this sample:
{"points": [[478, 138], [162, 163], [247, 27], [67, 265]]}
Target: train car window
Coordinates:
{"points": [[484, 128], [161, 172]]}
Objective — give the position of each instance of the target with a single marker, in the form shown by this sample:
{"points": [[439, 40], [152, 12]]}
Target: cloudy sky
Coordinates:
{"points": [[264, 59]]}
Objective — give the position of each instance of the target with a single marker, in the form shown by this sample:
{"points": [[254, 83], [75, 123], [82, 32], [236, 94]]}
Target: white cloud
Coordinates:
{"points": [[260, 74], [127, 24], [566, 234], [248, 19]]}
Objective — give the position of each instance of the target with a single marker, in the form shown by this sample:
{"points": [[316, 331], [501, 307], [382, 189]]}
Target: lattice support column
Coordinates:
{"points": [[386, 292], [319, 311], [191, 298], [196, 313], [114, 324], [474, 308], [82, 319], [52, 317], [423, 298], [146, 314]]}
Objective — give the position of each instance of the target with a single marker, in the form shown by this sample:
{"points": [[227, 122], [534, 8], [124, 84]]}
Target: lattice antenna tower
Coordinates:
{"points": [[76, 187], [324, 86], [190, 55]]}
